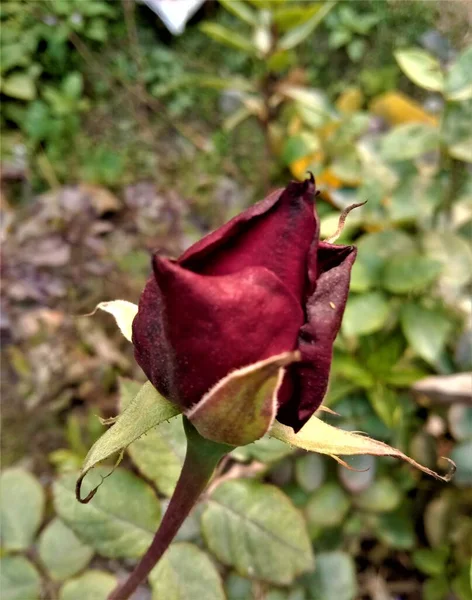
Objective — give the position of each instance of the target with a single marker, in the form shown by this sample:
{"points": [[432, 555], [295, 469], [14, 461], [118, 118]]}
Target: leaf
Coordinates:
{"points": [[241, 10], [120, 522], [241, 407], [431, 561], [455, 254], [460, 419], [228, 37], [426, 330], [147, 410], [395, 529], [159, 455], [410, 273], [61, 552], [383, 495], [361, 476], [257, 530], [334, 577], [422, 68], [301, 32], [365, 314], [22, 507], [92, 585], [397, 108], [20, 86], [124, 313], [409, 141], [459, 78], [456, 130], [19, 580], [265, 450], [462, 455], [327, 507], [318, 436], [309, 472], [185, 573]]}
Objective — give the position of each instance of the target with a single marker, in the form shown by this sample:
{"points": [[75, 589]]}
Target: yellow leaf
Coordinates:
{"points": [[299, 167], [350, 101], [241, 407], [328, 179], [123, 311], [318, 436], [396, 108]]}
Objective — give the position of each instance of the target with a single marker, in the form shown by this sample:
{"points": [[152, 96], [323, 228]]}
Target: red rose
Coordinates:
{"points": [[261, 285]]}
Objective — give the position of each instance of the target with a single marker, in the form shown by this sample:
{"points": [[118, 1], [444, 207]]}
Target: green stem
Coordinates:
{"points": [[200, 461]]}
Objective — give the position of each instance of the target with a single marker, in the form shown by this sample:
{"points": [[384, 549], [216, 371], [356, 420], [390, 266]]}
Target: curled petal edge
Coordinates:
{"points": [[318, 436]]}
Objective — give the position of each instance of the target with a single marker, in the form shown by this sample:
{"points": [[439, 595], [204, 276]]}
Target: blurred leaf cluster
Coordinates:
{"points": [[398, 135]]}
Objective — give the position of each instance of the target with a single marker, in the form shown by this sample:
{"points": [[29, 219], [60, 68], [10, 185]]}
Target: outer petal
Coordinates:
{"points": [[306, 383], [276, 233], [192, 330]]}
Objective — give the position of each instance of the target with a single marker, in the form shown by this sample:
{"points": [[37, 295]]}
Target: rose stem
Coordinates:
{"points": [[201, 458]]}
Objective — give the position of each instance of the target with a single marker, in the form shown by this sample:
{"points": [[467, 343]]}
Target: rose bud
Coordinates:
{"points": [[257, 288]]}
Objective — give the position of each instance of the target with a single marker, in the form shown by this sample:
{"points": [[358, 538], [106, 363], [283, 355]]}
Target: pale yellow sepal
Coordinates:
{"points": [[241, 407], [124, 313], [318, 436]]}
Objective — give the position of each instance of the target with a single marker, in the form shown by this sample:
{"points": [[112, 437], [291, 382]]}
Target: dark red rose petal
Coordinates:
{"points": [[306, 384], [212, 324], [276, 234]]}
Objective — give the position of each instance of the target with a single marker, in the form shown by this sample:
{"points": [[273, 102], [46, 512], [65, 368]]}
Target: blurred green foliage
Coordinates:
{"points": [[352, 92]]}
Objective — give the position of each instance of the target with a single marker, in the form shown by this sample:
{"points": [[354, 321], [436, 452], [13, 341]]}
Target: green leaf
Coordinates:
{"points": [[301, 32], [265, 450], [22, 508], [20, 86], [185, 573], [365, 314], [455, 254], [61, 551], [456, 130], [309, 472], [405, 274], [334, 577], [459, 78], [376, 249], [460, 421], [318, 436], [120, 522], [383, 495], [385, 403], [240, 9], [19, 580], [426, 330], [92, 585], [159, 455], [431, 561], [257, 530], [462, 456], [229, 38], [436, 588], [409, 141], [422, 68], [395, 529], [237, 587], [361, 474], [147, 410], [241, 407], [327, 507]]}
